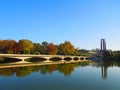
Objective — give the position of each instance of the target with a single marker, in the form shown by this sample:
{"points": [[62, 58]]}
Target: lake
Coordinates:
{"points": [[72, 76]]}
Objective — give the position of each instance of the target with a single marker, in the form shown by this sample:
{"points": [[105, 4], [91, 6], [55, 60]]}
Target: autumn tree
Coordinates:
{"points": [[0, 46], [66, 48], [12, 46], [6, 46], [52, 49], [25, 46]]}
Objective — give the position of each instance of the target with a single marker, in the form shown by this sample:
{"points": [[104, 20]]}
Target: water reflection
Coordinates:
{"points": [[66, 69], [104, 67], [104, 71]]}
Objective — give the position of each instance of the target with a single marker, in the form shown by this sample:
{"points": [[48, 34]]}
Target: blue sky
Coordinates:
{"points": [[82, 22]]}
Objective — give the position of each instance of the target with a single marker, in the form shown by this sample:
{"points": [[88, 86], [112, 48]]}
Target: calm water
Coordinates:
{"points": [[78, 76]]}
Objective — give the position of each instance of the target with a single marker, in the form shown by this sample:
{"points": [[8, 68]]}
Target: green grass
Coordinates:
{"points": [[85, 54]]}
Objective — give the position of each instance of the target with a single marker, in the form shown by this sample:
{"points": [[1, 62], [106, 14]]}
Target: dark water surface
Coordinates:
{"points": [[77, 76]]}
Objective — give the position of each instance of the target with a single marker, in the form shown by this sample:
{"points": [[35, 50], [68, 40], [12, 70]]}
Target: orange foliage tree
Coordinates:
{"points": [[52, 49]]}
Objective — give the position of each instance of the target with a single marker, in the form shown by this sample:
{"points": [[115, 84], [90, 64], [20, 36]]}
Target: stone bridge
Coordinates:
{"points": [[47, 58]]}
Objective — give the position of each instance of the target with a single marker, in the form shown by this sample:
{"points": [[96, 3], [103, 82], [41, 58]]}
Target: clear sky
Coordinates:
{"points": [[82, 22]]}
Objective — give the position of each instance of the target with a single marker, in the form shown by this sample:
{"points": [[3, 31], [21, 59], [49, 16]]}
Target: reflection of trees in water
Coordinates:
{"points": [[23, 71], [66, 69], [7, 72]]}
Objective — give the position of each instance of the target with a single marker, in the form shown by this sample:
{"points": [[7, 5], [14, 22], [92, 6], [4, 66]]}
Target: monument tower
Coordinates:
{"points": [[103, 45]]}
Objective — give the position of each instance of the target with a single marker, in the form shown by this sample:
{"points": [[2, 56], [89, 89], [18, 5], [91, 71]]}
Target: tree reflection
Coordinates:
{"points": [[23, 71], [66, 69], [7, 72]]}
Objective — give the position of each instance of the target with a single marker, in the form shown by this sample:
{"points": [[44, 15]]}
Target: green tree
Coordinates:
{"points": [[36, 48], [25, 46], [44, 48]]}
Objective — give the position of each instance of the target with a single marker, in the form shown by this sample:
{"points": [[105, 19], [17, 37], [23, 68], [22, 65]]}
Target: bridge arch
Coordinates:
{"points": [[36, 59], [86, 58], [10, 60], [67, 58], [55, 59], [81, 58], [75, 58]]}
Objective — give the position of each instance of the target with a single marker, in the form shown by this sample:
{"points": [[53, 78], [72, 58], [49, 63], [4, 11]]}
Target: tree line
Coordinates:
{"points": [[111, 56], [25, 46]]}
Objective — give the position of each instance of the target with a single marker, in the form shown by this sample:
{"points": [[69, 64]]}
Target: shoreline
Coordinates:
{"points": [[37, 64]]}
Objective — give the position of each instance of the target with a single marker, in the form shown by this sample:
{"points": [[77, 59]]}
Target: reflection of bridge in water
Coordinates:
{"points": [[46, 58]]}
